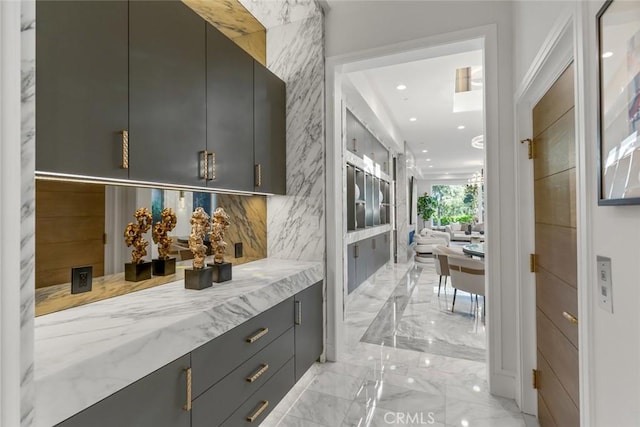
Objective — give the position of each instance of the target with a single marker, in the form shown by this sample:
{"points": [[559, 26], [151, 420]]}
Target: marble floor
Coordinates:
{"points": [[409, 361]]}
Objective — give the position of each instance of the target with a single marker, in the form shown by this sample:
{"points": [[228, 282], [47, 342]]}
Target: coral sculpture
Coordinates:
{"points": [[133, 235], [200, 226], [168, 221], [220, 224]]}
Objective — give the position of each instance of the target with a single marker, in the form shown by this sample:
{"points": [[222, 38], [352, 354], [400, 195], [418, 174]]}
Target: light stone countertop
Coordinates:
{"points": [[87, 353]]}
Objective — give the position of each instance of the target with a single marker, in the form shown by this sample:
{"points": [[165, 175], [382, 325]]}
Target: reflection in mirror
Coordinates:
{"points": [[79, 224]]}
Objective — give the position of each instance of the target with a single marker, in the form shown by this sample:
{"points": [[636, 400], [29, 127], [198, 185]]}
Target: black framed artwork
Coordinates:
{"points": [[618, 25]]}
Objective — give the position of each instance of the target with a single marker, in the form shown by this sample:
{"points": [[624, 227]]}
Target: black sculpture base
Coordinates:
{"points": [[198, 278], [221, 272], [137, 272], [164, 267]]}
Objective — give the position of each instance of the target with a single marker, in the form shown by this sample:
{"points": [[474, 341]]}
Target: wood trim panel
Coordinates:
{"points": [[69, 204], [560, 355], [544, 416], [557, 252], [555, 103], [68, 229], [555, 397], [254, 44], [556, 199], [555, 296], [555, 147]]}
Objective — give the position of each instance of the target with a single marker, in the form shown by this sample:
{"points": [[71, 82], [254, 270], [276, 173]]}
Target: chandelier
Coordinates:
{"points": [[477, 178]]}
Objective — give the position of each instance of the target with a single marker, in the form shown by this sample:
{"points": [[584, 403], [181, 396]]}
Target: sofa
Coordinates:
{"points": [[457, 231], [427, 240]]}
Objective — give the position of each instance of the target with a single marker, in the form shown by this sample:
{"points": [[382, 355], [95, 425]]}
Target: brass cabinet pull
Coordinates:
{"points": [[571, 318], [355, 144], [260, 410], [187, 406], [125, 149], [211, 166], [298, 312], [256, 337], [258, 174], [204, 165], [258, 374]]}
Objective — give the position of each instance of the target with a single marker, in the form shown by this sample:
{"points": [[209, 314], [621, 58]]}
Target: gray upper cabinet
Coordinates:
{"points": [[157, 400], [82, 81], [167, 92], [269, 114], [308, 328], [229, 112]]}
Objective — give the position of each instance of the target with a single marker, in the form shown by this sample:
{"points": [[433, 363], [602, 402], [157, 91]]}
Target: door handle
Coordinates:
{"points": [[204, 165], [570, 317], [125, 149], [258, 175], [187, 406]]}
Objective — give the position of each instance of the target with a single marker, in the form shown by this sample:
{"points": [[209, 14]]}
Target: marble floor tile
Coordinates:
{"points": [[408, 361], [320, 408]]}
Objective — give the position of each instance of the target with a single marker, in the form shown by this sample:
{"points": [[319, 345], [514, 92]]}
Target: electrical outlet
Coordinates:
{"points": [[238, 249], [81, 279]]}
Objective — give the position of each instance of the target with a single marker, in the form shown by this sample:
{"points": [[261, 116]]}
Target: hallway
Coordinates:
{"points": [[410, 361]]}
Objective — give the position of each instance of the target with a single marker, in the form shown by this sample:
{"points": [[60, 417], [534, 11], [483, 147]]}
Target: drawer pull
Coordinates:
{"points": [[298, 312], [187, 406], [258, 374], [256, 337], [260, 410]]}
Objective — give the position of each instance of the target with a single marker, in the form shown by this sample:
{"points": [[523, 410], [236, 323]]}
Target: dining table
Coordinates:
{"points": [[474, 249]]}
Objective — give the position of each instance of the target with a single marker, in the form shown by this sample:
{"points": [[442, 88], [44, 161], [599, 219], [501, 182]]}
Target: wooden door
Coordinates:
{"points": [[82, 80], [556, 262], [167, 92]]}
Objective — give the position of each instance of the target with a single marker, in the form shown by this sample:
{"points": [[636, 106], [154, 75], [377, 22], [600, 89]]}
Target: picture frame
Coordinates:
{"points": [[618, 40]]}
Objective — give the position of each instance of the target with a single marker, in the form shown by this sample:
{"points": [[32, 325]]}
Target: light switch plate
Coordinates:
{"points": [[605, 291]]}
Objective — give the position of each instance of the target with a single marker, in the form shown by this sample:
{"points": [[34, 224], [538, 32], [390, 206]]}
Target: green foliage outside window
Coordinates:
{"points": [[456, 203]]}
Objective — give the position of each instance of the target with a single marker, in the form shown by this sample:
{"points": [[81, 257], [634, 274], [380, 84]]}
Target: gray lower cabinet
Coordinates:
{"points": [[269, 130], [157, 400], [216, 405], [229, 112], [167, 92], [82, 79], [366, 257], [255, 409], [236, 377], [308, 328]]}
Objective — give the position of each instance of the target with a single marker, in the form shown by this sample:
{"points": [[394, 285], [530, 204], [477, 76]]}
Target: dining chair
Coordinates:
{"points": [[467, 274]]}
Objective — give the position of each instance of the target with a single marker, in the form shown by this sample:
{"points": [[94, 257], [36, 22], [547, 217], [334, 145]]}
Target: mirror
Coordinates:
{"points": [[81, 224]]}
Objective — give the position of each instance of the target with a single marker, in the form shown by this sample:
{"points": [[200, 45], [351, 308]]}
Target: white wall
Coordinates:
{"points": [[353, 27], [532, 21], [613, 339]]}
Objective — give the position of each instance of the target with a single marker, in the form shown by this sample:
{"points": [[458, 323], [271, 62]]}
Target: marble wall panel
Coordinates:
{"points": [[27, 226]]}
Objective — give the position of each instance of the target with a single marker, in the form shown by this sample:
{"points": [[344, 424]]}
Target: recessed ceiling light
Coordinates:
{"points": [[478, 142], [430, 166], [461, 127], [428, 160], [401, 87], [425, 151], [607, 54], [412, 119], [446, 173]]}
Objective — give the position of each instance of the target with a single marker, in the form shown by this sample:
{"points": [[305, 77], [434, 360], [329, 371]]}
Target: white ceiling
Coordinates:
{"points": [[429, 97]]}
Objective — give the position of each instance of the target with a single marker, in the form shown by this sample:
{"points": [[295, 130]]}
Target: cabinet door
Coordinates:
{"points": [[352, 135], [363, 260], [167, 130], [351, 268], [229, 112], [82, 81], [270, 149], [309, 321], [156, 400]]}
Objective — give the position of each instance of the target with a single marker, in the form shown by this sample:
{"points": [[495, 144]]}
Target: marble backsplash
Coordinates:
{"points": [[295, 52]]}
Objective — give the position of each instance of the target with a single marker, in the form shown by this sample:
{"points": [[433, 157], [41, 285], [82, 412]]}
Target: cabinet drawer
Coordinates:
{"points": [[259, 405], [217, 403], [214, 360]]}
